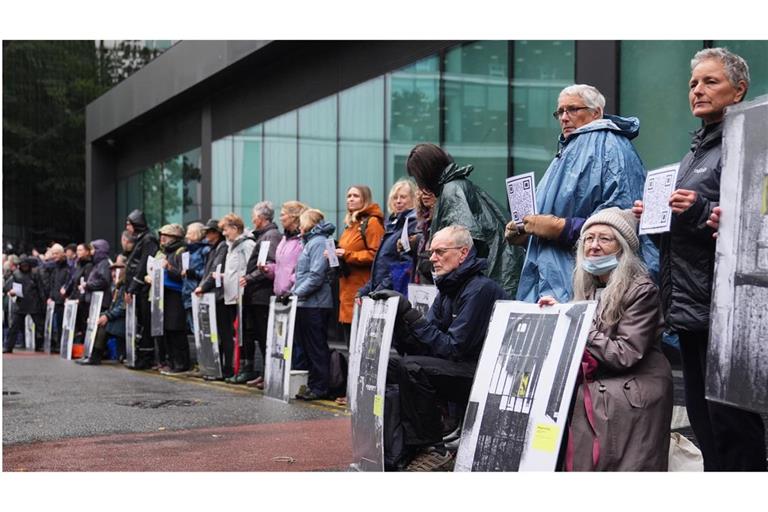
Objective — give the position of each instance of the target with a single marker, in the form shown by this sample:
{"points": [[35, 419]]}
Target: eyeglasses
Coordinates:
{"points": [[440, 251], [601, 240], [567, 110]]}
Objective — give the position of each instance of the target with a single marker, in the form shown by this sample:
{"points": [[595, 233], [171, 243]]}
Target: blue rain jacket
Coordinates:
{"points": [[387, 255], [312, 286], [596, 167]]}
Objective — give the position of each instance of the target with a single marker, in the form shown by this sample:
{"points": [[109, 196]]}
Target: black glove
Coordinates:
{"points": [[404, 310], [284, 298]]}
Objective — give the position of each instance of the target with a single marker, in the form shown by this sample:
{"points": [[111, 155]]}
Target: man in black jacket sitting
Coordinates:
{"points": [[439, 352]]}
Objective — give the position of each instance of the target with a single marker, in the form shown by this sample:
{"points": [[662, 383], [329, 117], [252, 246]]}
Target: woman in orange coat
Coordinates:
{"points": [[364, 228]]}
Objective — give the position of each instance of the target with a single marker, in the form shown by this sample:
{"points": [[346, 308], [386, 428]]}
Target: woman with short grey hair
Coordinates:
{"points": [[592, 98], [731, 439], [265, 210]]}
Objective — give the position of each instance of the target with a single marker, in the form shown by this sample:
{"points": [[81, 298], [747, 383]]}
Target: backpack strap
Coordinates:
{"points": [[363, 228]]}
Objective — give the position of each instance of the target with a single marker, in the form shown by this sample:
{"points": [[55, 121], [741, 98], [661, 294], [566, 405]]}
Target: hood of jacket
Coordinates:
{"points": [[372, 210], [137, 220], [451, 173], [237, 241], [452, 282], [322, 228], [100, 250], [629, 127]]}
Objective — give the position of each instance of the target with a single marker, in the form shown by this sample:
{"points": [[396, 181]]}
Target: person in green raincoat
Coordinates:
{"points": [[459, 201]]}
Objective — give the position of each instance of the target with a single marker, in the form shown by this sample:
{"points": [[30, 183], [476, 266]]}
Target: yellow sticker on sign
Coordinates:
{"points": [[545, 438], [214, 338], [523, 389], [287, 353], [378, 405]]}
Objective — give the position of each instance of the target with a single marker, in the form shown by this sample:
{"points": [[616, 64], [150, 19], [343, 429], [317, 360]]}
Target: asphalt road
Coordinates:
{"points": [[59, 416]]}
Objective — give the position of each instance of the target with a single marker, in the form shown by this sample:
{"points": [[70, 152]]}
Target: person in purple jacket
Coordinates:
{"points": [[283, 270]]}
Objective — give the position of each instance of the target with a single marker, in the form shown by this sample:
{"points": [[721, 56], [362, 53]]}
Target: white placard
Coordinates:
{"points": [[263, 252], [184, 261], [421, 297], [521, 194], [18, 290], [404, 237], [657, 214], [330, 248], [151, 262], [218, 275], [525, 378]]}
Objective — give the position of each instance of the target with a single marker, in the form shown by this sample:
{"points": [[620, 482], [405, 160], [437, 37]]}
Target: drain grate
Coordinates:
{"points": [[5, 393], [160, 404]]}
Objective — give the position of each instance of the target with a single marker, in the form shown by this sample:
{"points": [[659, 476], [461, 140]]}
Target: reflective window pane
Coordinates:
{"points": [[361, 145], [317, 157], [756, 55], [221, 171], [190, 168], [247, 155], [541, 70], [476, 98], [413, 113], [654, 88], [280, 158], [153, 196], [173, 191]]}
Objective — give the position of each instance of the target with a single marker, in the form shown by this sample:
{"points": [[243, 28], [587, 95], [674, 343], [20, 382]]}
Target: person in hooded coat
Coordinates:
{"points": [[314, 302], [99, 280], [357, 248], [596, 167], [389, 256], [145, 245], [461, 202], [31, 303]]}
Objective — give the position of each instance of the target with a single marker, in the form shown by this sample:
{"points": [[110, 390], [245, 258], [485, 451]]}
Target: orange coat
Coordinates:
{"points": [[358, 258]]}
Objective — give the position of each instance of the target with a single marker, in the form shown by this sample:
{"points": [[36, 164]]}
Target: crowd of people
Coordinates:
{"points": [[582, 245]]}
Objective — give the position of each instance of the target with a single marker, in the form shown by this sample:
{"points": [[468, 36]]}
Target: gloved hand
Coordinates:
{"points": [[544, 226], [515, 236], [284, 298], [404, 310]]}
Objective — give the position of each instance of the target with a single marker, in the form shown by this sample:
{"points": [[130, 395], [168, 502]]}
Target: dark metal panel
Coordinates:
{"points": [[100, 193], [597, 64], [206, 163], [182, 67]]}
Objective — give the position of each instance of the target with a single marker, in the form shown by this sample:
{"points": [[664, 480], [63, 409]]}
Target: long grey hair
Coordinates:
{"points": [[585, 284]]}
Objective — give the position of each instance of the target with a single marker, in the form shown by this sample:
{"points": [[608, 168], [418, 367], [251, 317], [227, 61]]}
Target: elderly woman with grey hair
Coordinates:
{"points": [[258, 289], [623, 408], [595, 167], [731, 439]]}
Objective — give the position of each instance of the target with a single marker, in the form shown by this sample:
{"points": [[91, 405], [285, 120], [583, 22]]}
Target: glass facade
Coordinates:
{"points": [[488, 103], [167, 192]]}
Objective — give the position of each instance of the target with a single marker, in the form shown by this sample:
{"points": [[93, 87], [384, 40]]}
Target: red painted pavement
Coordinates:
{"points": [[313, 444]]}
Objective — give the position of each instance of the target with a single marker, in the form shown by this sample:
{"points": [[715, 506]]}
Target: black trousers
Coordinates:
{"points": [[731, 439], [145, 344], [17, 328], [424, 382], [58, 320], [225, 317], [312, 336], [178, 350], [254, 332]]}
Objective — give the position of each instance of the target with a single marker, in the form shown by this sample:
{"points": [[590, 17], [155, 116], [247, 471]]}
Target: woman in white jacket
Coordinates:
{"points": [[239, 249]]}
